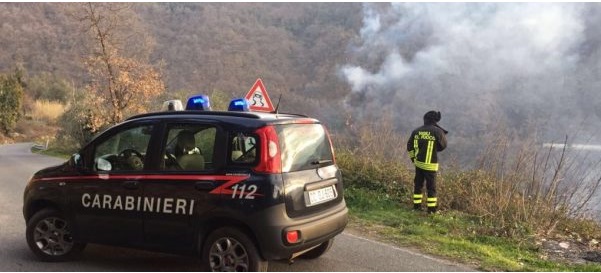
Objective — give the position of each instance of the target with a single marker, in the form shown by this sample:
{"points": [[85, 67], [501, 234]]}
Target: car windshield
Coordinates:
{"points": [[303, 146]]}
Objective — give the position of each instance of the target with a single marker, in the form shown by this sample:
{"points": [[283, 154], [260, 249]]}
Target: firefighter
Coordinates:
{"points": [[423, 145]]}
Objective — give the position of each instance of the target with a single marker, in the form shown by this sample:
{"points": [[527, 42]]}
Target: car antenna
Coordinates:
{"points": [[277, 106]]}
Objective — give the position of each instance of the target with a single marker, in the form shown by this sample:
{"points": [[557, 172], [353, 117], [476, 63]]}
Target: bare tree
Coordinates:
{"points": [[121, 79]]}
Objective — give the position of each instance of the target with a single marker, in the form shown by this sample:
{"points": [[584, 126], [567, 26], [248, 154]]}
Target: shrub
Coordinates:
{"points": [[516, 189], [520, 189], [11, 98], [48, 87], [387, 178], [76, 129]]}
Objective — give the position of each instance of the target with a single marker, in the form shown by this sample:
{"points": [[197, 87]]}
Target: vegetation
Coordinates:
{"points": [[493, 216], [95, 64], [11, 98], [50, 88], [378, 196], [122, 82], [47, 111], [211, 48], [451, 234]]}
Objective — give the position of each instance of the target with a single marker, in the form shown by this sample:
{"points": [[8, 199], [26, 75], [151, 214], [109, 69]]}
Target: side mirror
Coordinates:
{"points": [[103, 165], [75, 161]]}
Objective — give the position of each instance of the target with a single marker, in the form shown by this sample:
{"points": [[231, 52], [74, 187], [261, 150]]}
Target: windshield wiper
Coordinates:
{"points": [[319, 162]]}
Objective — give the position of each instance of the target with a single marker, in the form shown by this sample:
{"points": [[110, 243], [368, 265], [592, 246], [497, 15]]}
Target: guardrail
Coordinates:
{"points": [[41, 146], [587, 147]]}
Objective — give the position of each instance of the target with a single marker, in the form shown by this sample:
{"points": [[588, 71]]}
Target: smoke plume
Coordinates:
{"points": [[530, 66]]}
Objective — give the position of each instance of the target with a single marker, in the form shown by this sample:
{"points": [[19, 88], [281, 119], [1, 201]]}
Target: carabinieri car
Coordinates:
{"points": [[236, 189]]}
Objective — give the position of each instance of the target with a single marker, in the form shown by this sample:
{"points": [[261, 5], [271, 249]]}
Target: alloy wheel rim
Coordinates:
{"points": [[227, 254], [53, 237]]}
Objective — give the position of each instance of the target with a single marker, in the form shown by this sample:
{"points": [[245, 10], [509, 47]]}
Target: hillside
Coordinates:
{"points": [[204, 48], [507, 78], [487, 67]]}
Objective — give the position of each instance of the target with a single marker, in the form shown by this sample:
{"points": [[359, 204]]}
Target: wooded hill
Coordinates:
{"points": [[203, 47], [300, 50]]}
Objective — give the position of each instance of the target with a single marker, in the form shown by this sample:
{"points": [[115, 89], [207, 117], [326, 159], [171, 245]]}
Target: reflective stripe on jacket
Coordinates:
{"points": [[424, 144]]}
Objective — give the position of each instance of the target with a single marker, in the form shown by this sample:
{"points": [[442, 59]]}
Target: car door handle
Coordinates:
{"points": [[204, 185], [131, 185]]}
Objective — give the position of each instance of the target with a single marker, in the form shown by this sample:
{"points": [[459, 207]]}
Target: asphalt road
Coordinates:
{"points": [[17, 164]]}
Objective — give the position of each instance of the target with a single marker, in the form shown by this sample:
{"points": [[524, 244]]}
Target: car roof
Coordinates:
{"points": [[245, 118]]}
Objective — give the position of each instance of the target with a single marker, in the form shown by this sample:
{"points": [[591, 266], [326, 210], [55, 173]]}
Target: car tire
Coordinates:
{"points": [[318, 251], [230, 249], [49, 236]]}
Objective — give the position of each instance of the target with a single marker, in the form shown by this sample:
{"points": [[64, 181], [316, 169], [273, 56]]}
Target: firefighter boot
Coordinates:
{"points": [[417, 207], [432, 210]]}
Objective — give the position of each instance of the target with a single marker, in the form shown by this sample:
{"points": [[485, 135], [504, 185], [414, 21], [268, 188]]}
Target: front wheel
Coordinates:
{"points": [[49, 237], [318, 251], [229, 249]]}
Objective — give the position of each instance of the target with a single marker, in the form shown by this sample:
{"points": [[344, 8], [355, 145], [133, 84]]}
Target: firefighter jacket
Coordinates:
{"points": [[424, 144]]}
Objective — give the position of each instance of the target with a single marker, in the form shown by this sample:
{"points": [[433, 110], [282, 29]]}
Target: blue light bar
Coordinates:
{"points": [[240, 105], [198, 102]]}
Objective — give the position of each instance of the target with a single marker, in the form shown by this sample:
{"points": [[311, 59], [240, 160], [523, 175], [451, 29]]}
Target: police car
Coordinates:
{"points": [[235, 188]]}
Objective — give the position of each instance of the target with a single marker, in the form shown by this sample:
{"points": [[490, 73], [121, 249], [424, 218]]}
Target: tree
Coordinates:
{"points": [[47, 86], [11, 98], [75, 130], [121, 79]]}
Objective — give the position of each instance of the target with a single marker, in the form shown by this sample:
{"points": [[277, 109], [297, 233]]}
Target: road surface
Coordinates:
{"points": [[17, 164]]}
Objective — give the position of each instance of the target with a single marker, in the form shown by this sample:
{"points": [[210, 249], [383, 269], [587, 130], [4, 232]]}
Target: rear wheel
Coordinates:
{"points": [[229, 249], [49, 237], [318, 251]]}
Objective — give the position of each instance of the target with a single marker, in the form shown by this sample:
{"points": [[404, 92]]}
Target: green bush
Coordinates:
{"points": [[387, 178], [11, 99], [75, 130], [49, 87]]}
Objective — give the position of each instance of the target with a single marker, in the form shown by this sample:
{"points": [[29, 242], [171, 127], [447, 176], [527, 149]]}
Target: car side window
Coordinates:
{"points": [[124, 151], [243, 148], [189, 147]]}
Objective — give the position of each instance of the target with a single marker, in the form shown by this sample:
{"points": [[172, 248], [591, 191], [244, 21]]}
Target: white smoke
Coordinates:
{"points": [[518, 62]]}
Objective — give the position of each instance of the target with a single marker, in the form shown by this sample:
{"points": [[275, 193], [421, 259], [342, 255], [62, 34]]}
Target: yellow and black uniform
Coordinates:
{"points": [[423, 147]]}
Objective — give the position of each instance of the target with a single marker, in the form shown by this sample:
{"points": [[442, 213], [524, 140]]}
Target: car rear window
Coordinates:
{"points": [[303, 146], [243, 148]]}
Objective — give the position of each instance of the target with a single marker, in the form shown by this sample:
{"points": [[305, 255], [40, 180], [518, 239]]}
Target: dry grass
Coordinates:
{"points": [[47, 111], [516, 188], [374, 139], [522, 189]]}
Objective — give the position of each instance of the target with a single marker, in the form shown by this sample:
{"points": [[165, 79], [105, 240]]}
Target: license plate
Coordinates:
{"points": [[321, 195]]}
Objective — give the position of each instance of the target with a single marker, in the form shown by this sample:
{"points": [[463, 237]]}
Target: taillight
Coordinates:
{"points": [[270, 156], [331, 145], [292, 237]]}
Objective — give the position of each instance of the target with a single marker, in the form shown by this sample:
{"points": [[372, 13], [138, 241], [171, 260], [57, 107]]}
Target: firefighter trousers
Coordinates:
{"points": [[430, 178]]}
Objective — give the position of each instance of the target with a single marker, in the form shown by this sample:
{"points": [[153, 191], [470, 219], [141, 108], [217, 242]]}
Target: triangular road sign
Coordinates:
{"points": [[258, 99]]}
